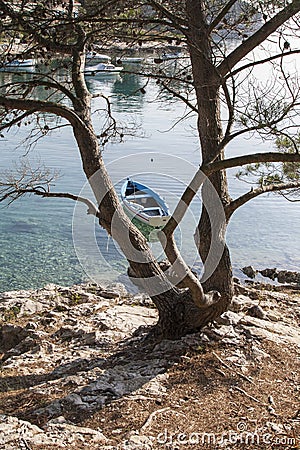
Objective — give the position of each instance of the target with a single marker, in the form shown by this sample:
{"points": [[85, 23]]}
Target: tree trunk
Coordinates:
{"points": [[210, 233], [178, 314], [211, 241], [175, 318]]}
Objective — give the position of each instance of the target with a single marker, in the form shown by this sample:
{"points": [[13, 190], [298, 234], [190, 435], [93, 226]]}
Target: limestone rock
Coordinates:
{"points": [[30, 343], [282, 276], [11, 335], [269, 273], [276, 332], [249, 271], [16, 433], [259, 354], [241, 303], [256, 311], [229, 318]]}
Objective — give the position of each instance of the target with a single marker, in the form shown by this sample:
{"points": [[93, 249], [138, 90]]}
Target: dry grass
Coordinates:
{"points": [[208, 396], [204, 396]]}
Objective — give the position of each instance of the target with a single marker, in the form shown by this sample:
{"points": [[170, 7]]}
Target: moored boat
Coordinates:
{"points": [[144, 204], [100, 57], [131, 59], [102, 68], [20, 63], [167, 56]]}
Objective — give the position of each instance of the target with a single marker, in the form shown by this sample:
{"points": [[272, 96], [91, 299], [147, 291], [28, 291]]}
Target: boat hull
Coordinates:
{"points": [[102, 68], [144, 204]]}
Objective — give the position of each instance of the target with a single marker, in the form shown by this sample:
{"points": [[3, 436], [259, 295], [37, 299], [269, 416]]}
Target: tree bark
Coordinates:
{"points": [[207, 84]]}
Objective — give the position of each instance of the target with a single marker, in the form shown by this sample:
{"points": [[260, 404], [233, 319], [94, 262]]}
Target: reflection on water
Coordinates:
{"points": [[36, 234]]}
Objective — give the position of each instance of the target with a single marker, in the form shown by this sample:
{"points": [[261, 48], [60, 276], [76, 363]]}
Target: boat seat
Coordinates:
{"points": [[136, 206], [134, 196], [156, 210]]}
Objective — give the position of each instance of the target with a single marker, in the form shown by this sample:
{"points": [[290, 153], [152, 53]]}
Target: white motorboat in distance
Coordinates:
{"points": [[100, 57], [102, 68], [20, 63], [166, 56], [144, 204], [131, 60]]}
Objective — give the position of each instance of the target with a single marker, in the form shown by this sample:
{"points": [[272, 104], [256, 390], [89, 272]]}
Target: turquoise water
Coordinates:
{"points": [[36, 245]]}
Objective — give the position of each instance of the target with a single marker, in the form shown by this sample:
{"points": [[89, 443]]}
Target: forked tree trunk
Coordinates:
{"points": [[178, 313]]}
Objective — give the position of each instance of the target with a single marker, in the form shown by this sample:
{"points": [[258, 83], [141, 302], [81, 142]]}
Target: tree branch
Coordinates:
{"points": [[18, 18], [166, 235], [230, 106], [180, 24], [92, 208], [42, 106], [208, 169], [160, 76], [184, 202], [243, 199], [181, 269], [17, 119], [53, 84], [289, 199], [184, 277], [181, 97], [229, 163], [259, 128], [261, 61], [221, 15], [258, 37]]}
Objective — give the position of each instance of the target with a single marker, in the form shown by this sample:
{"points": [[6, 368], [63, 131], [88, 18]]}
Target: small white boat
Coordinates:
{"points": [[102, 68], [20, 63], [131, 59], [100, 57], [144, 204], [167, 56]]}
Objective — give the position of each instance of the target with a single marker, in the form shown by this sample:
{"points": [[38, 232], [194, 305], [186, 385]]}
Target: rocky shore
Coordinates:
{"points": [[289, 277], [77, 371]]}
